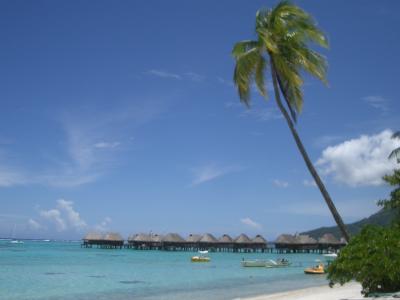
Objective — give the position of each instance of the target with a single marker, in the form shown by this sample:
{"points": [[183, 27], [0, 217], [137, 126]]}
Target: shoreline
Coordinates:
{"points": [[350, 290]]}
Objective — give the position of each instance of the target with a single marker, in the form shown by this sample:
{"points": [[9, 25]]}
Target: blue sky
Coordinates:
{"points": [[123, 116]]}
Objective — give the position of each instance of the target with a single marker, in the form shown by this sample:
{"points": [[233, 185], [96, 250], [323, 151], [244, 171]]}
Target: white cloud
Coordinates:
{"points": [[249, 222], [280, 183], [361, 161], [64, 216], [72, 216], [309, 183], [104, 145], [34, 225], [54, 216], [164, 74], [210, 172], [377, 102]]}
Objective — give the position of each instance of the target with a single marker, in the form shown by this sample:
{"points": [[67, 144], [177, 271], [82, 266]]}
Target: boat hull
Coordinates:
{"points": [[200, 259]]}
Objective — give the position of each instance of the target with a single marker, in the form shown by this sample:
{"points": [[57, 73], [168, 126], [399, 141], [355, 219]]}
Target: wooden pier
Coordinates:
{"points": [[285, 244]]}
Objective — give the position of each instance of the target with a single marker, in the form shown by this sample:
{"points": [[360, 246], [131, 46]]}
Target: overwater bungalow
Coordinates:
{"points": [[208, 242], [225, 243], [192, 242], [287, 243], [109, 240], [242, 244], [259, 243], [140, 241], [173, 241], [329, 243]]}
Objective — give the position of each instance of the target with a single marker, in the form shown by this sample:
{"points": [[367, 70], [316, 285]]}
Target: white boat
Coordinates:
{"points": [[13, 240], [276, 264], [265, 263], [203, 257], [256, 263], [330, 255], [16, 242]]}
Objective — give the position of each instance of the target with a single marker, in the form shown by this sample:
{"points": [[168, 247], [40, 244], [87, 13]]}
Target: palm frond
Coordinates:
{"points": [[246, 65], [395, 154]]}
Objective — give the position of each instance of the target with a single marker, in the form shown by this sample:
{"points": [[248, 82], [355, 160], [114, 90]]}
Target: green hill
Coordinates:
{"points": [[382, 218]]}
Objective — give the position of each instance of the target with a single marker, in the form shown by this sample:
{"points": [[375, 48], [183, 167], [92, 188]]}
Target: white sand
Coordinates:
{"points": [[348, 291]]}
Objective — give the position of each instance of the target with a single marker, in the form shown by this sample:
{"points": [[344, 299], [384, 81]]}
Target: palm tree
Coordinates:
{"points": [[395, 152], [283, 35]]}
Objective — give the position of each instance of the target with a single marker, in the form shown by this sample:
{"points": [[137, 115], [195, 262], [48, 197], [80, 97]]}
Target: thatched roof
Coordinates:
{"points": [[285, 239], [93, 236], [259, 239], [114, 237], [173, 238], [141, 237], [155, 238], [304, 239], [328, 238], [225, 239], [193, 238], [208, 238], [242, 239]]}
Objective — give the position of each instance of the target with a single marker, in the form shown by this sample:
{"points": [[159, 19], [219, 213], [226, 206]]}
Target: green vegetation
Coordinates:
{"points": [[382, 218], [282, 46], [371, 258]]}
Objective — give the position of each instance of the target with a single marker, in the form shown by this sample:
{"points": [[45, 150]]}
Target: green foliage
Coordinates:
{"points": [[394, 201], [371, 258], [283, 37]]}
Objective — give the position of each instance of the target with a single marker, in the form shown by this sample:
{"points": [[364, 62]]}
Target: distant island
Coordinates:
{"points": [[382, 218]]}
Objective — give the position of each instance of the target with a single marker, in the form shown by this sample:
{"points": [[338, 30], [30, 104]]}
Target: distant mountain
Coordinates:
{"points": [[382, 218]]}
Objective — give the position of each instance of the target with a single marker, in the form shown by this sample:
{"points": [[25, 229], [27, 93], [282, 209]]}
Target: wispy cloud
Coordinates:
{"points": [[225, 82], [192, 76], [104, 145], [280, 183], [309, 183], [89, 147], [360, 161], [262, 114], [210, 172], [377, 102], [250, 223], [164, 74]]}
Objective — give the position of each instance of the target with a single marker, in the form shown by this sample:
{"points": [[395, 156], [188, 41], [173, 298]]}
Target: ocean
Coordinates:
{"points": [[65, 271]]}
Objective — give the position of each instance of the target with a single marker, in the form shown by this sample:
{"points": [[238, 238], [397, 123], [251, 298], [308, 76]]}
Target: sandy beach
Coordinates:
{"points": [[348, 291]]}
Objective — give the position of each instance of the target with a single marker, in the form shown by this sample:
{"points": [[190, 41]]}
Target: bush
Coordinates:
{"points": [[371, 258]]}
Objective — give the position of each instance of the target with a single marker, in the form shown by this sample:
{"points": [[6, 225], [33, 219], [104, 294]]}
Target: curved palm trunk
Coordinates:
{"points": [[307, 160]]}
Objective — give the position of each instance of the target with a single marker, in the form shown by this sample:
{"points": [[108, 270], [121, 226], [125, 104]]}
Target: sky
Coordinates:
{"points": [[122, 116]]}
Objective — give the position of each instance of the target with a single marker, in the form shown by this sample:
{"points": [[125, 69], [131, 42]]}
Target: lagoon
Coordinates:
{"points": [[64, 270]]}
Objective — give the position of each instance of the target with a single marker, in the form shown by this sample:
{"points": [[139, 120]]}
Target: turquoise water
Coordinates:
{"points": [[61, 270]]}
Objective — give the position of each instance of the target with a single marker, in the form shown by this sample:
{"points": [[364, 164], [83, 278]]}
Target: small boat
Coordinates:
{"points": [[318, 269], [202, 257], [255, 263], [266, 263], [278, 263], [16, 242]]}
